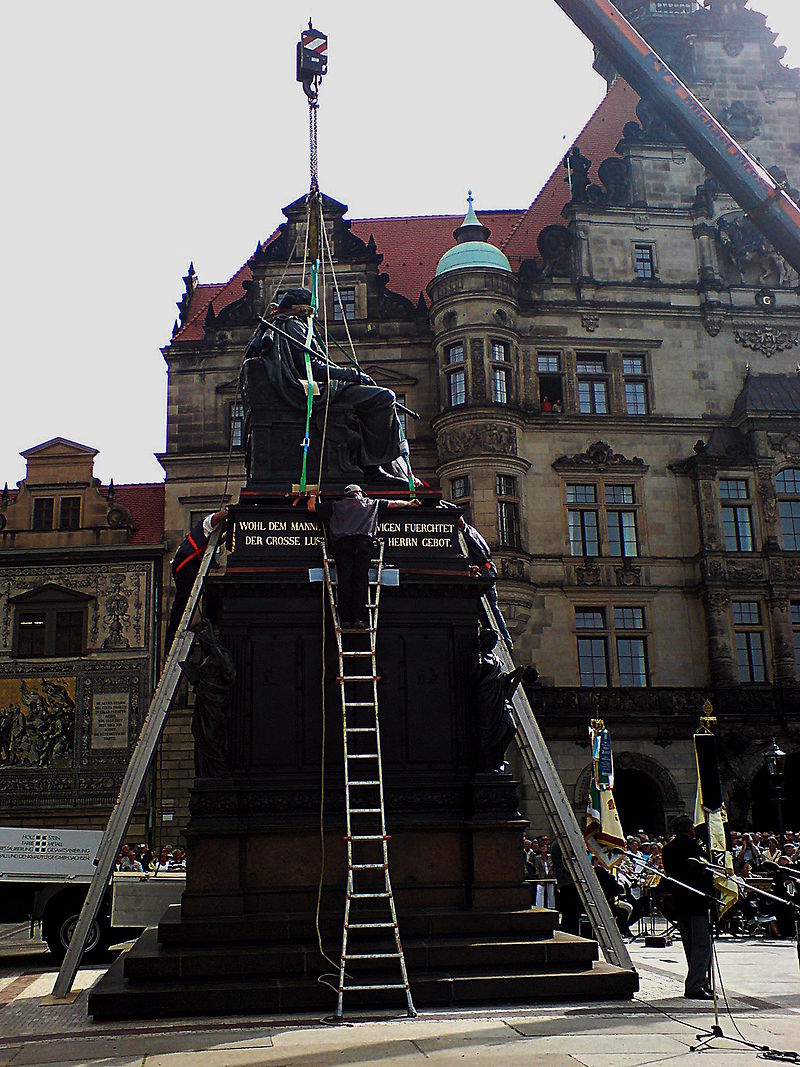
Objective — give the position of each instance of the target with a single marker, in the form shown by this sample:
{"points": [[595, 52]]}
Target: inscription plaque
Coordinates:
{"points": [[110, 713]]}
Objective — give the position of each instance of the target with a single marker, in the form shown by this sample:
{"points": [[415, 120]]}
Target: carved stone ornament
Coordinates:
{"points": [[589, 573], [766, 338], [513, 569], [741, 121], [600, 456], [471, 440], [718, 600], [641, 222], [590, 322], [713, 322], [787, 443], [768, 498], [628, 575], [746, 571], [714, 569]]}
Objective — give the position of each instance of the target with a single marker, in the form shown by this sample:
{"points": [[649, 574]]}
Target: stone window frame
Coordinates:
{"points": [[592, 379], [750, 633], [736, 504], [553, 379], [455, 371], [792, 498], [43, 513], [508, 510], [69, 517], [601, 506], [462, 499], [652, 260], [236, 421], [500, 370], [611, 631], [341, 308], [48, 602], [643, 378]]}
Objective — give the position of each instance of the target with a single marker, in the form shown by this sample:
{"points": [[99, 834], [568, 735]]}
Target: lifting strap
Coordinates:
{"points": [[309, 376]]}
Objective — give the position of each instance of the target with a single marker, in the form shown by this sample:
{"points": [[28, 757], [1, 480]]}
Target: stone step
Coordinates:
{"points": [[115, 998], [172, 930], [147, 960]]}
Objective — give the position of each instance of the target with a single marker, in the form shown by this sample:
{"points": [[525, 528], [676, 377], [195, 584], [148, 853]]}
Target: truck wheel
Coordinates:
{"points": [[57, 930]]}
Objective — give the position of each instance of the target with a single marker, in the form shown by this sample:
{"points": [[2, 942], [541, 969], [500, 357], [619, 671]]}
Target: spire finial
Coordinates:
{"points": [[469, 197]]}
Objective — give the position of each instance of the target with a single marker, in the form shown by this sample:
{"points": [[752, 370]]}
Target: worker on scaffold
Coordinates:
{"points": [[374, 407], [352, 525]]}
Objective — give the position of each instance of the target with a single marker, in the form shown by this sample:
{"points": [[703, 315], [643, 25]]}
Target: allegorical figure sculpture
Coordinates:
{"points": [[492, 691], [212, 680], [275, 357]]}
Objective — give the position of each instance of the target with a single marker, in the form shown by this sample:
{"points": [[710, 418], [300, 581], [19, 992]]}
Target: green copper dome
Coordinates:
{"points": [[472, 254], [472, 248]]}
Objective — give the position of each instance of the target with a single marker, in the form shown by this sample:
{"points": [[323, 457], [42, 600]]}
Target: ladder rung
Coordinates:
{"points": [[371, 956], [360, 704], [364, 988], [367, 866], [365, 811], [371, 926], [368, 837], [361, 729], [363, 755], [365, 782], [367, 652], [358, 678], [370, 896]]}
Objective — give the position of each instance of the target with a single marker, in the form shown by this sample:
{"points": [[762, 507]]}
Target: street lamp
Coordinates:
{"points": [[774, 759]]}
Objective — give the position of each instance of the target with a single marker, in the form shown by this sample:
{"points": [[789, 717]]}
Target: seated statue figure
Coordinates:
{"points": [[363, 431]]}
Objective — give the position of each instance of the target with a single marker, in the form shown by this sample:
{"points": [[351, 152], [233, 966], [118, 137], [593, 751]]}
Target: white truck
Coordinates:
{"points": [[45, 875]]}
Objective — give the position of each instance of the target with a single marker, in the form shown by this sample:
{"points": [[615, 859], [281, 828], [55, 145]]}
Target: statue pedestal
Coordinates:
{"points": [[245, 936]]}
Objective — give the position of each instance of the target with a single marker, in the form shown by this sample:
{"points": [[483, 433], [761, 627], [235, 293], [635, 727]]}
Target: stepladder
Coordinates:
{"points": [[372, 958]]}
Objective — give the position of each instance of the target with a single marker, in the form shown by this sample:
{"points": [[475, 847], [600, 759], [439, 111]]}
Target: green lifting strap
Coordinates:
{"points": [[309, 376]]}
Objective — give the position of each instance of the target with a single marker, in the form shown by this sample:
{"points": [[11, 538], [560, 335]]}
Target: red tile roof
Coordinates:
{"points": [[146, 505], [597, 140], [412, 246]]}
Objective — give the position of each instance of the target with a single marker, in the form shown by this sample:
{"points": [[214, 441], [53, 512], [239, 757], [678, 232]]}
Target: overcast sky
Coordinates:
{"points": [[140, 137]]}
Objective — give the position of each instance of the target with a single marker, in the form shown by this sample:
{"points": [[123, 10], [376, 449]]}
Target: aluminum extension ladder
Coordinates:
{"points": [[561, 818], [369, 889], [133, 781]]}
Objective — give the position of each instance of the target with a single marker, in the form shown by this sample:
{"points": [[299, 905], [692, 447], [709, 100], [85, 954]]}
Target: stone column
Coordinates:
{"points": [[782, 638], [720, 648]]}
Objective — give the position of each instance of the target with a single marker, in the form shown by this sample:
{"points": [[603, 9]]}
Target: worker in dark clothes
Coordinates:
{"points": [[684, 860], [482, 564], [568, 900], [352, 525], [185, 567]]}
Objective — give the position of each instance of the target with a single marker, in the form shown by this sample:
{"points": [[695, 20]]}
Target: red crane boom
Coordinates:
{"points": [[770, 208]]}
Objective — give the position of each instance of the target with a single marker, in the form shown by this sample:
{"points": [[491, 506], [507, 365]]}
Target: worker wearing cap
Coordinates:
{"points": [[352, 525]]}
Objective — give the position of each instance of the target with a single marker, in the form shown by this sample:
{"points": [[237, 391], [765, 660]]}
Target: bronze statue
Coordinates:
{"points": [[212, 681], [363, 428], [492, 691]]}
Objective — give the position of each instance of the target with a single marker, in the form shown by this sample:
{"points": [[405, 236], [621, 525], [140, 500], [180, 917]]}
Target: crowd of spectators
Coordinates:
{"points": [[758, 856], [143, 859]]}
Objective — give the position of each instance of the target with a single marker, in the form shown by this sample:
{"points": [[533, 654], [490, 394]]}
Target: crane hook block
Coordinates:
{"points": [[312, 55]]}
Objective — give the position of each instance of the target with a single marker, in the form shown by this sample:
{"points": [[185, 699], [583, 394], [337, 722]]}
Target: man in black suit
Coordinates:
{"points": [[683, 860]]}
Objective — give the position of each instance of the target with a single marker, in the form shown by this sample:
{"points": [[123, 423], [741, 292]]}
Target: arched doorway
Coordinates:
{"points": [[644, 792], [764, 815], [639, 801]]}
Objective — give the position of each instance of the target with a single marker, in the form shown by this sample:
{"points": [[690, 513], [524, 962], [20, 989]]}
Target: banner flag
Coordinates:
{"points": [[710, 816], [603, 833]]}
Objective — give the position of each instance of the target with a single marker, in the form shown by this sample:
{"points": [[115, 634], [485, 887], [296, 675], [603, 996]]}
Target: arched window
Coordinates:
{"points": [[788, 486]]}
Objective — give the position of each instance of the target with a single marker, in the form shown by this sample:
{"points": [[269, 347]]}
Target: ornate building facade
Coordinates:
{"points": [[80, 580], [608, 383]]}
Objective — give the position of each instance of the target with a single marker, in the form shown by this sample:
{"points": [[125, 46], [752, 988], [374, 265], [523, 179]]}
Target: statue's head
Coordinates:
{"points": [[296, 302], [487, 640]]}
